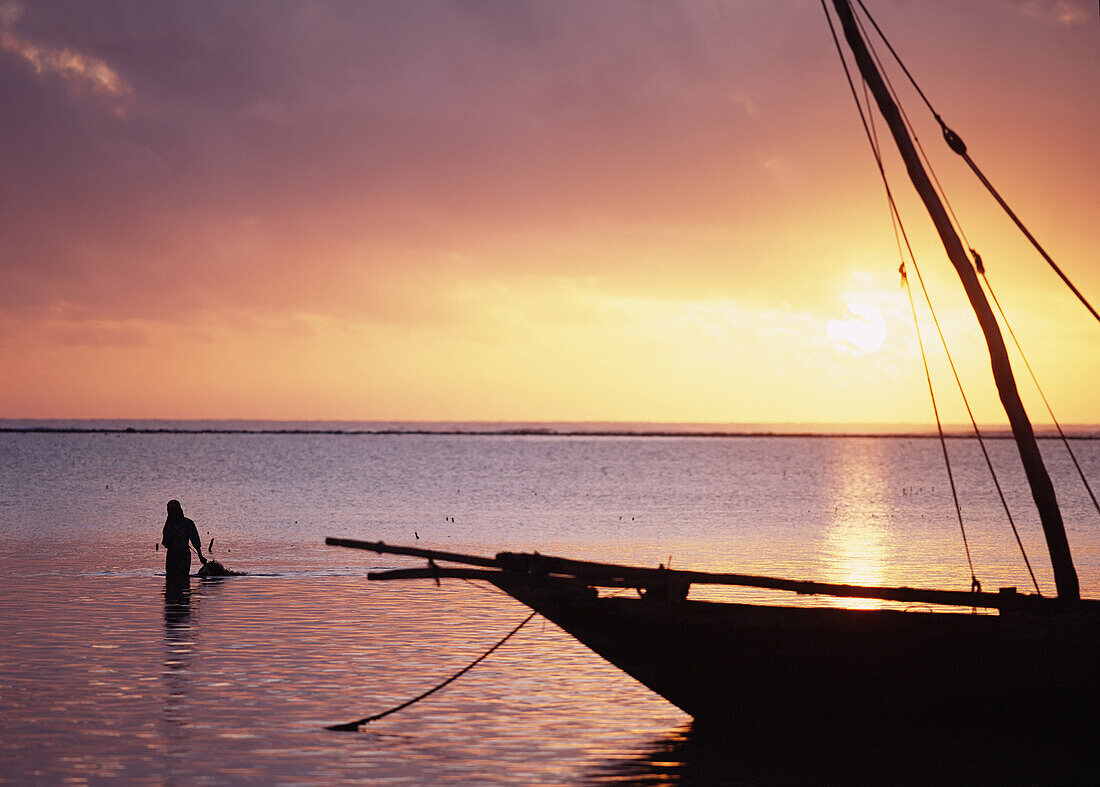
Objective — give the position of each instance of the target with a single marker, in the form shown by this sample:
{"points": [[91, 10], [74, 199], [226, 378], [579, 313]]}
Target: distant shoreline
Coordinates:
{"points": [[993, 433]]}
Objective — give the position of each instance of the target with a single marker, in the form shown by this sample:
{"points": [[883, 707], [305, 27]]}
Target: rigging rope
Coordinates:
{"points": [[912, 131], [353, 726], [1016, 219], [977, 262], [974, 583], [896, 219], [955, 142], [980, 267], [974, 425]]}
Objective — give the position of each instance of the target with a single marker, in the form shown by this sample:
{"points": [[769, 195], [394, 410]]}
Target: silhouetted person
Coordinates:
{"points": [[178, 531]]}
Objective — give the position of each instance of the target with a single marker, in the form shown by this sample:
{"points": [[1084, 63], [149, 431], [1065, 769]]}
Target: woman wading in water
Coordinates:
{"points": [[178, 531]]}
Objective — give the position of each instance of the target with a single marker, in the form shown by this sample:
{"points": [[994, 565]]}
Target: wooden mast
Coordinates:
{"points": [[1042, 490]]}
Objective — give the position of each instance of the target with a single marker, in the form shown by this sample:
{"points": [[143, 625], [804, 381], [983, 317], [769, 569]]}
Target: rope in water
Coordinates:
{"points": [[353, 726], [955, 142]]}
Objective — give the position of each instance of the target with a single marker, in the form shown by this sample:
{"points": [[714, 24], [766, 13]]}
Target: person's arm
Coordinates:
{"points": [[193, 535]]}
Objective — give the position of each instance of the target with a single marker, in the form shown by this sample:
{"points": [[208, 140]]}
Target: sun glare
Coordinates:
{"points": [[861, 334]]}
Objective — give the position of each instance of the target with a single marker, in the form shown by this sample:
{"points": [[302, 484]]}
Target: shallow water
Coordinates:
{"points": [[103, 675]]}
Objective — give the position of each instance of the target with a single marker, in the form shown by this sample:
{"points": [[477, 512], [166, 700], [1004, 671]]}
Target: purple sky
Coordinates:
{"points": [[230, 170]]}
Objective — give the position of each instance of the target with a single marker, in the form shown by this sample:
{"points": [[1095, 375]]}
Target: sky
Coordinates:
{"points": [[527, 211]]}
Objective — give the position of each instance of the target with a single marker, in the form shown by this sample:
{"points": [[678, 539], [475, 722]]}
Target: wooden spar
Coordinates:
{"points": [[610, 575], [642, 577], [432, 554], [1042, 490], [433, 572]]}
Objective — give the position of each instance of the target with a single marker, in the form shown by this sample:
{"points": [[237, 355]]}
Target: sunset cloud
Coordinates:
{"points": [[78, 70], [81, 73], [410, 186], [1065, 12]]}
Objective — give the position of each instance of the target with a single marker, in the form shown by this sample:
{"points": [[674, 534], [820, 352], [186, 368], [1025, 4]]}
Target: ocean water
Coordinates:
{"points": [[104, 675]]}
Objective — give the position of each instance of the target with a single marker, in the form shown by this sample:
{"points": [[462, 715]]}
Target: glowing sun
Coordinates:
{"points": [[860, 334]]}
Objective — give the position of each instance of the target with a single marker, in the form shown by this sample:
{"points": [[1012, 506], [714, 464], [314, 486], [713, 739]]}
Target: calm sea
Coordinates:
{"points": [[103, 677]]}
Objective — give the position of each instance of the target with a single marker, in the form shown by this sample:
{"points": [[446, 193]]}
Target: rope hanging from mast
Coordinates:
{"points": [[912, 132], [905, 280], [955, 142], [974, 583], [980, 267], [977, 431], [895, 219], [867, 119]]}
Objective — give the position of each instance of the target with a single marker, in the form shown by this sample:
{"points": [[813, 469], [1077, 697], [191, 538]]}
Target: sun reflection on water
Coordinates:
{"points": [[857, 544], [858, 553]]}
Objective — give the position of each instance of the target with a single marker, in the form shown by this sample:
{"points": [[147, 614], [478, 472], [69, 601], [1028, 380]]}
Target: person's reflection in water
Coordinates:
{"points": [[181, 612], [181, 615], [178, 645]]}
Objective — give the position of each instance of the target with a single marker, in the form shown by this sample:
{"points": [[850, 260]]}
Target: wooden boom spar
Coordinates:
{"points": [[522, 564], [432, 554]]}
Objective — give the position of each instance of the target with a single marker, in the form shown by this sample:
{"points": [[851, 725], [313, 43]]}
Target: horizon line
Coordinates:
{"points": [[522, 428]]}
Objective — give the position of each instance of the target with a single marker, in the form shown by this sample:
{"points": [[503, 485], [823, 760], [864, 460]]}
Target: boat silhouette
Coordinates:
{"points": [[1025, 674]]}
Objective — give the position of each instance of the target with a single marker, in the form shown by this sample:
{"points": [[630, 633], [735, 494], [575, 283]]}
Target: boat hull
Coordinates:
{"points": [[802, 670]]}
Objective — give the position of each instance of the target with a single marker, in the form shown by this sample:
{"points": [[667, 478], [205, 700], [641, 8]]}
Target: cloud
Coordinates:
{"points": [[78, 70], [1064, 12], [381, 164], [333, 154], [81, 73]]}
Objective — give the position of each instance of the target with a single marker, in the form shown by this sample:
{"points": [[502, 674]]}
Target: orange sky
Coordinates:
{"points": [[524, 211]]}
